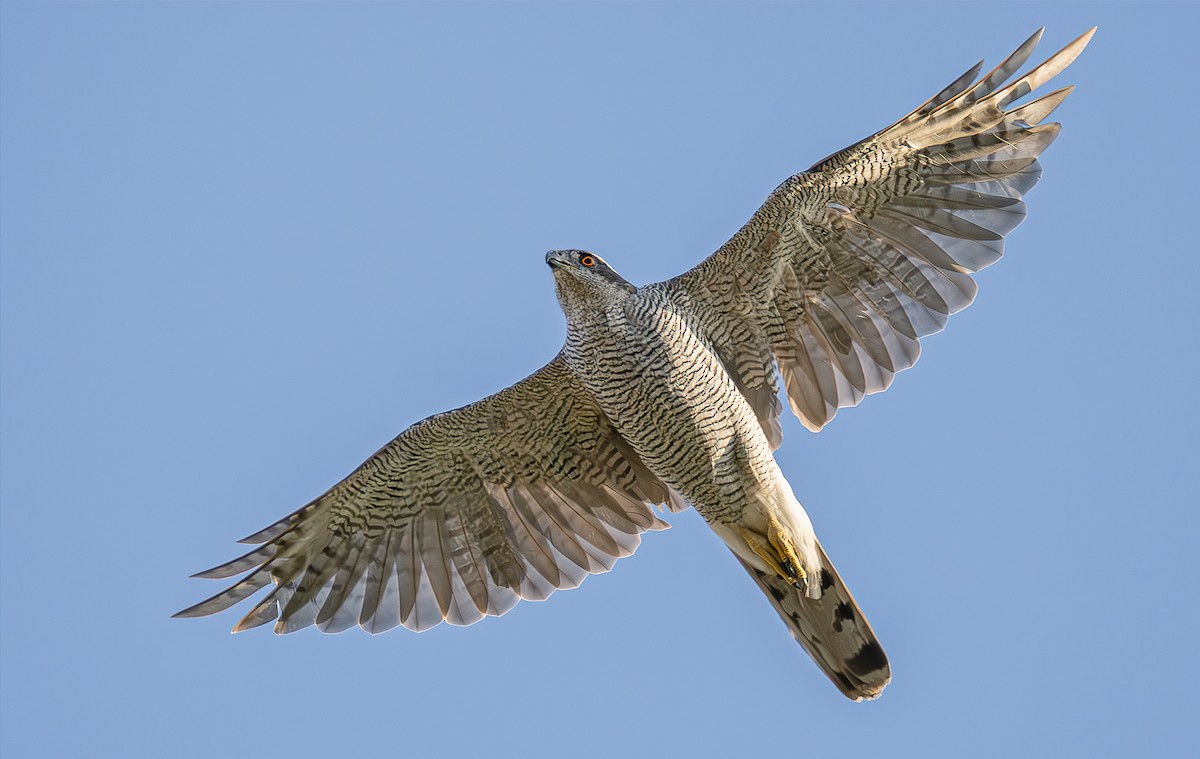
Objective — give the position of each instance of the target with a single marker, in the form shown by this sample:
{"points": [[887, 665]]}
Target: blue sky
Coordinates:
{"points": [[243, 246]]}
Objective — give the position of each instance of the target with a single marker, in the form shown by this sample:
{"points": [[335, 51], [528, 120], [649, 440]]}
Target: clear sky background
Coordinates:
{"points": [[243, 246]]}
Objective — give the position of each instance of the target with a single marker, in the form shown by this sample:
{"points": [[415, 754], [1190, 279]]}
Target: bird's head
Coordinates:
{"points": [[582, 279]]}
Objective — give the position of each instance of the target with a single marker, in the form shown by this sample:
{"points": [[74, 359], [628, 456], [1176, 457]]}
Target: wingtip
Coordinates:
{"points": [[1083, 39], [1071, 50], [266, 611]]}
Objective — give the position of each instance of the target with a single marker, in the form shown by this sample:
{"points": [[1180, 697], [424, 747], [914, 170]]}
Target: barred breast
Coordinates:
{"points": [[670, 397]]}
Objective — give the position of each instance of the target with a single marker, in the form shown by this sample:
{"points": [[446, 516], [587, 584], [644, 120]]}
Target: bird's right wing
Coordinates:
{"points": [[836, 277], [462, 515]]}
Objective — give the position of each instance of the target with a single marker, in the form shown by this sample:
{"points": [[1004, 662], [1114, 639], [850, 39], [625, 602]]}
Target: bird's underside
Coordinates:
{"points": [[669, 395]]}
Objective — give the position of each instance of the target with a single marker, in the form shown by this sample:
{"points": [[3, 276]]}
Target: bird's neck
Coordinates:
{"points": [[586, 305]]}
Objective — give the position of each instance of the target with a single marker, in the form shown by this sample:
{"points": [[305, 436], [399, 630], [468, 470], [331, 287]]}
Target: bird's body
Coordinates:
{"points": [[661, 383], [692, 428], [669, 394]]}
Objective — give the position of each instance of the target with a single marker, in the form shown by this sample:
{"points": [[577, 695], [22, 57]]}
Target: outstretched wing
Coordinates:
{"points": [[836, 277], [462, 515]]}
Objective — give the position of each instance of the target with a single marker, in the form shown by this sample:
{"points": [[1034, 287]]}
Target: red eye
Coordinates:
{"points": [[588, 261]]}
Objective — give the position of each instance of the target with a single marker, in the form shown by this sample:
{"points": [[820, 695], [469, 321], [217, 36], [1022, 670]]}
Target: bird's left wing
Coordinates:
{"points": [[836, 277], [462, 515]]}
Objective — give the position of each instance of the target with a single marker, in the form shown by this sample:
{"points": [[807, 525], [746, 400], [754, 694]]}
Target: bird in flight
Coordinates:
{"points": [[669, 395]]}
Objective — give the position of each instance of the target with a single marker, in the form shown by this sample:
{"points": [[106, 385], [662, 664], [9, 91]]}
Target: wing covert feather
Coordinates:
{"points": [[458, 518]]}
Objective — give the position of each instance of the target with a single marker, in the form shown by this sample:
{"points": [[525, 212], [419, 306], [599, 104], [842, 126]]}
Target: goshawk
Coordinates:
{"points": [[669, 394]]}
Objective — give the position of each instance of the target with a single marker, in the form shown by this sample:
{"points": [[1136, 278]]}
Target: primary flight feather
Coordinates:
{"points": [[669, 394]]}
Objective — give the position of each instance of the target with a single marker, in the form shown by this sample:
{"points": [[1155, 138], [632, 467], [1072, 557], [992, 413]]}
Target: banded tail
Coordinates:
{"points": [[832, 630]]}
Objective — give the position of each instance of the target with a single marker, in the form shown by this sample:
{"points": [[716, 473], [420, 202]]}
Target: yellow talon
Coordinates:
{"points": [[783, 543], [780, 555]]}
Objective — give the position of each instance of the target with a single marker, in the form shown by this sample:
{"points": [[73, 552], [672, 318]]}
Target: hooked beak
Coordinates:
{"points": [[558, 260]]}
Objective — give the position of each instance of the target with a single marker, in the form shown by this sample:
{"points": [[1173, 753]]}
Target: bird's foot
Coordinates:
{"points": [[779, 552]]}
